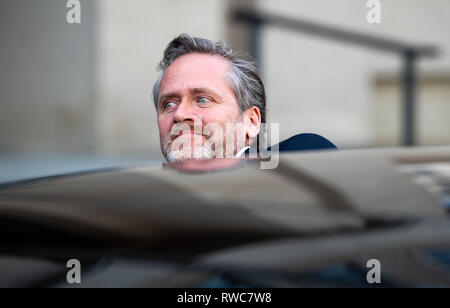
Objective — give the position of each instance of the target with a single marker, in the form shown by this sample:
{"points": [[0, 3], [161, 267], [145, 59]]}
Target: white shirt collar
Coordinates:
{"points": [[242, 151]]}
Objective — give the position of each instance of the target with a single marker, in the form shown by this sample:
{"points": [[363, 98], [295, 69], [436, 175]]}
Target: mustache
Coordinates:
{"points": [[180, 129]]}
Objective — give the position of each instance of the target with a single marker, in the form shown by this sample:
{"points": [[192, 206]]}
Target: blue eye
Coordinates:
{"points": [[202, 100], [169, 105]]}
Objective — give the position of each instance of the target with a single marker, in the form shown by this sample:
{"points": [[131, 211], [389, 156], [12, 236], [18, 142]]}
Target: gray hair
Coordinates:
{"points": [[245, 80]]}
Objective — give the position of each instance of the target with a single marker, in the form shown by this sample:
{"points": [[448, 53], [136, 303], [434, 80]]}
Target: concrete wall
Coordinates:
{"points": [[321, 86], [433, 110], [47, 78]]}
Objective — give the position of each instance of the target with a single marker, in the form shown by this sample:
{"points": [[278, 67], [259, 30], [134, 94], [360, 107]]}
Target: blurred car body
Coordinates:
{"points": [[314, 221]]}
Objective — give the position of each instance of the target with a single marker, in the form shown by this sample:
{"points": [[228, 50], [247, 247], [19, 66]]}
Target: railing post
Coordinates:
{"points": [[409, 98], [255, 42], [409, 53]]}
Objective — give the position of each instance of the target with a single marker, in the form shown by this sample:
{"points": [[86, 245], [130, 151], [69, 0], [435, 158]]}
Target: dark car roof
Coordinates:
{"points": [[314, 210]]}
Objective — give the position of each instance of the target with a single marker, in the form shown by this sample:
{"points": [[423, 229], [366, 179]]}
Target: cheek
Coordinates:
{"points": [[222, 115], [164, 124]]}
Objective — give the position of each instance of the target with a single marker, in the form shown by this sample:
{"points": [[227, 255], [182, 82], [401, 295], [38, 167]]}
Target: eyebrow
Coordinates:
{"points": [[192, 91], [204, 90], [166, 96]]}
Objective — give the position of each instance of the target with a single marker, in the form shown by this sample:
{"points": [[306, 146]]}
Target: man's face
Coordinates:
{"points": [[195, 94]]}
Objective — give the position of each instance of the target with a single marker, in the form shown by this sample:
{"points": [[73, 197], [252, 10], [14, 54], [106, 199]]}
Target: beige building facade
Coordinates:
{"points": [[86, 88]]}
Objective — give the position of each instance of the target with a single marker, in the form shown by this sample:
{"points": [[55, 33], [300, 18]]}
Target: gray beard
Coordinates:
{"points": [[198, 152]]}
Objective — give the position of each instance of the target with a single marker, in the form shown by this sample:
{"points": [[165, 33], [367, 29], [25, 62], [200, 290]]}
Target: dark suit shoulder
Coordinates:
{"points": [[305, 142]]}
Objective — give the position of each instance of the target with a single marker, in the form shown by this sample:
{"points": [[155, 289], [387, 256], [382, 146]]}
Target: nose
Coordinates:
{"points": [[185, 113]]}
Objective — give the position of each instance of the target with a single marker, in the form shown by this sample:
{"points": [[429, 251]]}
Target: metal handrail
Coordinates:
{"points": [[410, 53]]}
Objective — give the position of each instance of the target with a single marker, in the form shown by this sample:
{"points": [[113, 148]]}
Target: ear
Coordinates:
{"points": [[252, 122]]}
